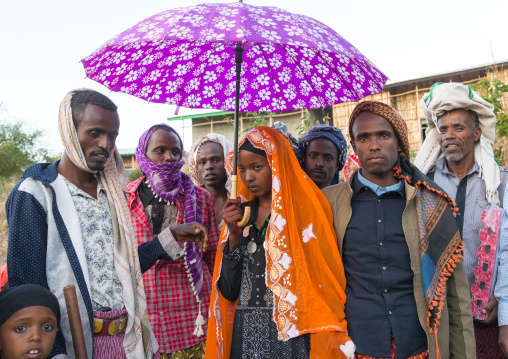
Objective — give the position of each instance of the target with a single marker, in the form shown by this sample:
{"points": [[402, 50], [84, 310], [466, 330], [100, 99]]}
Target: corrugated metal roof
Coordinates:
{"points": [[201, 115], [126, 151], [448, 73]]}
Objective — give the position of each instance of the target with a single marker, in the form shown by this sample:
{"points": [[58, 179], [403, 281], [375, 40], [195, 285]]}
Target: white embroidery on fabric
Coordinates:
{"points": [[276, 184], [290, 297], [293, 332], [279, 222], [285, 261], [308, 234]]}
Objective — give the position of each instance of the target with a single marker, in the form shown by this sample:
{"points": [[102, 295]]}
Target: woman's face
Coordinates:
{"points": [[255, 173]]}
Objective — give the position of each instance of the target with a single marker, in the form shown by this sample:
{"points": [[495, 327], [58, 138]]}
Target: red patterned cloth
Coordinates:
{"points": [[3, 276], [393, 352], [172, 305], [111, 347], [487, 337]]}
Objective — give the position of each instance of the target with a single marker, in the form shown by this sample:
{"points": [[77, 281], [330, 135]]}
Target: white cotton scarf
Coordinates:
{"points": [[139, 341], [226, 144]]}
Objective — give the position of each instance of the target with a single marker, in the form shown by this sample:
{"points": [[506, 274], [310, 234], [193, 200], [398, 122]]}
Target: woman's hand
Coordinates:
{"points": [[231, 214]]}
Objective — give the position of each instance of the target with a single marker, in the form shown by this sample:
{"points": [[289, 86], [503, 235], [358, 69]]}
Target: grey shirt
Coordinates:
{"points": [[476, 203]]}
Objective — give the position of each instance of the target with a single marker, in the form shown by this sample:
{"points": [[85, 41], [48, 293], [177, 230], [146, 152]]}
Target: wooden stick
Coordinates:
{"points": [[78, 338]]}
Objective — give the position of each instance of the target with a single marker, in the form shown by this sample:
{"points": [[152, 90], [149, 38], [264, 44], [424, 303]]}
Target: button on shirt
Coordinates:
{"points": [[379, 278], [97, 233]]}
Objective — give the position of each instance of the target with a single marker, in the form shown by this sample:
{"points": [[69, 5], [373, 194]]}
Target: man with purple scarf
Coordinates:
{"points": [[178, 286]]}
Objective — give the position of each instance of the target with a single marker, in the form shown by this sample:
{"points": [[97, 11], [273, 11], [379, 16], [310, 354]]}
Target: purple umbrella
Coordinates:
{"points": [[234, 57], [186, 57]]}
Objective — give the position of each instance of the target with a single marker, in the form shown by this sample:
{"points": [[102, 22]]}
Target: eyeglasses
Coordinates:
{"points": [[486, 254]]}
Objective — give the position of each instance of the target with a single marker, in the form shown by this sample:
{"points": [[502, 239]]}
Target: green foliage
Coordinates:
{"points": [[19, 148], [256, 119], [305, 125], [308, 121], [412, 155], [16, 149], [492, 91], [262, 119], [134, 175]]}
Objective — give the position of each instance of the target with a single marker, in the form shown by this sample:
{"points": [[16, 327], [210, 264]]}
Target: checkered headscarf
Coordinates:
{"points": [[390, 114]]}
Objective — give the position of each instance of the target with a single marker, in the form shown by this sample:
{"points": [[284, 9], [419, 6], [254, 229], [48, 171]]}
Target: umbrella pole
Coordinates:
{"points": [[234, 174]]}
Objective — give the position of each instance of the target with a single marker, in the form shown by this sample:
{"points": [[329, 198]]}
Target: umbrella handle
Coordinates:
{"points": [[234, 195]]}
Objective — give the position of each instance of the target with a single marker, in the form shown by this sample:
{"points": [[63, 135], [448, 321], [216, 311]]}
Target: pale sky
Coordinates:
{"points": [[42, 43]]}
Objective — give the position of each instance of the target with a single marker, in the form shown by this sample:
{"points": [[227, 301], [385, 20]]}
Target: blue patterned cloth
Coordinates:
{"points": [[331, 133]]}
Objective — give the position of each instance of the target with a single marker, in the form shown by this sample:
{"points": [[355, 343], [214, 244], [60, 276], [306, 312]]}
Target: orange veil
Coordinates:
{"points": [[303, 265]]}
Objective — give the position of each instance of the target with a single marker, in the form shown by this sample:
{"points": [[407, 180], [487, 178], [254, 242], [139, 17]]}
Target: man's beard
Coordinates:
{"points": [[456, 157]]}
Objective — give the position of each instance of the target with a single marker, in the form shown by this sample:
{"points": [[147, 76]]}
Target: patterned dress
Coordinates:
{"points": [[242, 277]]}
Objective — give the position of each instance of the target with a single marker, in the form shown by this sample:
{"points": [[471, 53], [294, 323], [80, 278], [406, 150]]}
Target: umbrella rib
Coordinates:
{"points": [[203, 71], [188, 45], [297, 19], [148, 53], [339, 75], [206, 28], [302, 25], [271, 76], [164, 40], [359, 63], [102, 47], [137, 64], [306, 78], [317, 47], [169, 68]]}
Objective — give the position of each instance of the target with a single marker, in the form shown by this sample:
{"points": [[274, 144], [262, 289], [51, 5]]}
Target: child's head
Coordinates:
{"points": [[255, 171], [29, 316]]}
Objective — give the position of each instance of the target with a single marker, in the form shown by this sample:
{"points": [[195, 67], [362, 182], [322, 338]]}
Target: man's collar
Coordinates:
{"points": [[361, 182], [442, 166], [132, 186], [74, 190]]}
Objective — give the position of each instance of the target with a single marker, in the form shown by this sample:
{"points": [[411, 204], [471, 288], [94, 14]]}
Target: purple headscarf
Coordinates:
{"points": [[166, 180]]}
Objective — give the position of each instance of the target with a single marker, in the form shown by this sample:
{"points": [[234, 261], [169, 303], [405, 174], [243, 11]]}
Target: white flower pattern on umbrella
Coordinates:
{"points": [[185, 57]]}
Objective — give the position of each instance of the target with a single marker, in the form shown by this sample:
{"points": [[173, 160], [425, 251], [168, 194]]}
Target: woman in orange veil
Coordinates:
{"points": [[303, 272]]}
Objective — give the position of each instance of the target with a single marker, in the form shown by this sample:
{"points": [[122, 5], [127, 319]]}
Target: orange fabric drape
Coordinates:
{"points": [[304, 269]]}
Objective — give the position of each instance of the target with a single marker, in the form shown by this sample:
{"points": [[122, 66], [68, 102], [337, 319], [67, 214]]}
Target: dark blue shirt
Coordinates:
{"points": [[380, 296]]}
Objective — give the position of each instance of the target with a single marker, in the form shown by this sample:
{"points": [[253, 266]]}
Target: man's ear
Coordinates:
{"points": [[352, 142], [477, 134]]}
